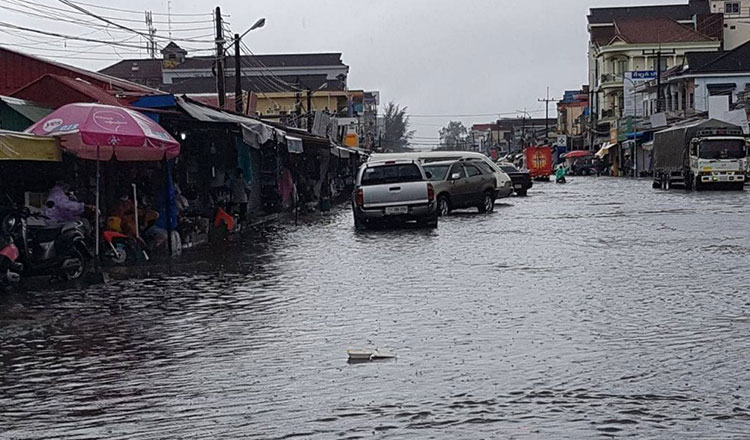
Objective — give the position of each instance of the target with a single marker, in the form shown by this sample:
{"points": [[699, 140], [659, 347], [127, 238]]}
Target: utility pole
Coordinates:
{"points": [[237, 75], [151, 35], [523, 129], [546, 102], [659, 53], [309, 111], [220, 79]]}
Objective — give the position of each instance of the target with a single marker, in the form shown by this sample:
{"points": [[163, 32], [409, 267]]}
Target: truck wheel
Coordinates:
{"points": [[688, 179], [430, 223], [359, 224], [521, 192]]}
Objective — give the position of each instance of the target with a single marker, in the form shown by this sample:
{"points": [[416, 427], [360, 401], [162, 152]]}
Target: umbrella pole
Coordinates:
{"points": [[96, 215], [168, 209], [135, 211]]}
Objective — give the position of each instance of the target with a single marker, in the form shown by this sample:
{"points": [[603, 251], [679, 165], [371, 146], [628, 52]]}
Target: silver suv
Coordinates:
{"points": [[462, 184]]}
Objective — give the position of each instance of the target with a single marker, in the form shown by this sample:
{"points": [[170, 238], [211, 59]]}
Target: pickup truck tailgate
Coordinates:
{"points": [[395, 194]]}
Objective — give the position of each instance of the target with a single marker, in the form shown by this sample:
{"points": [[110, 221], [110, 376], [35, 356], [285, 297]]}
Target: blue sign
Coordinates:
{"points": [[643, 74]]}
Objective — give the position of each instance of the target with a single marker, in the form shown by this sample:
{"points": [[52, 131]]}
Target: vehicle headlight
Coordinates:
{"points": [[9, 223]]}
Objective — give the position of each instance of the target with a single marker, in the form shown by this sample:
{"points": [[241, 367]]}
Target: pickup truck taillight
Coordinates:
{"points": [[360, 197], [430, 192]]}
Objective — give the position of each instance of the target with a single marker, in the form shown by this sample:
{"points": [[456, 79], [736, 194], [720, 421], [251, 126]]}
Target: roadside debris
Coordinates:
{"points": [[367, 355]]}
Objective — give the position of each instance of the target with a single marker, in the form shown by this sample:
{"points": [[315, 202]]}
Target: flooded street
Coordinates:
{"points": [[597, 308]]}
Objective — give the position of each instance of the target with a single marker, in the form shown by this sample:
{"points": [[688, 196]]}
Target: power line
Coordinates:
{"points": [[130, 11], [126, 28], [472, 115], [68, 37], [49, 9]]}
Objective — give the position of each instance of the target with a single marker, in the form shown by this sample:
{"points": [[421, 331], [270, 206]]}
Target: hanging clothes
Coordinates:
{"points": [[286, 188]]}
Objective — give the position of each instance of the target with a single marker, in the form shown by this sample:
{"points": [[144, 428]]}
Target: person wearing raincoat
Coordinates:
{"points": [[60, 208], [560, 173]]}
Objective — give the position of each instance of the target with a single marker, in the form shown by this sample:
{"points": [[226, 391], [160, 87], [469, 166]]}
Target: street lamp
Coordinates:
{"points": [[237, 66]]}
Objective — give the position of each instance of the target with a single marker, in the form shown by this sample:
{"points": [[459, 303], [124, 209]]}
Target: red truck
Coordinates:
{"points": [[539, 162]]}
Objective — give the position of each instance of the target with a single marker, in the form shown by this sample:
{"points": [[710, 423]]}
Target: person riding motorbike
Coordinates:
{"points": [[560, 173]]}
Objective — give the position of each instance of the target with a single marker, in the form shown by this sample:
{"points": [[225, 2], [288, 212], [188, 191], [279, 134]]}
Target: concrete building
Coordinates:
{"points": [[631, 44], [687, 88], [736, 20], [571, 111]]}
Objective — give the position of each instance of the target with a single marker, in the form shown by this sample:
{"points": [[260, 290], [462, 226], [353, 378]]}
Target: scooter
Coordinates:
{"points": [[119, 249], [59, 251], [10, 268], [560, 179]]}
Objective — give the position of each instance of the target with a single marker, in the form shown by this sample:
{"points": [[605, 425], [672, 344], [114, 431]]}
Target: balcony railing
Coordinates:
{"points": [[608, 114]]}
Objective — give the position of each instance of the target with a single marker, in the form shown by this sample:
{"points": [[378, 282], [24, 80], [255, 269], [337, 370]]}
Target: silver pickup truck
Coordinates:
{"points": [[393, 191]]}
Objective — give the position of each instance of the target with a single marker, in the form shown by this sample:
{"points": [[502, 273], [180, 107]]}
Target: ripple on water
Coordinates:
{"points": [[598, 308]]}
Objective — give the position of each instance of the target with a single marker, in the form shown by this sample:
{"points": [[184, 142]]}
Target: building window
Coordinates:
{"points": [[622, 66], [731, 8]]}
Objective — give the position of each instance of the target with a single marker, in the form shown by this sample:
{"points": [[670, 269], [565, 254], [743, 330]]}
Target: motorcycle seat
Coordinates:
{"points": [[44, 234]]}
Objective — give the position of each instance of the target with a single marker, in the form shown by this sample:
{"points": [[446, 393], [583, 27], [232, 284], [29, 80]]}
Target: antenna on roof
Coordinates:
{"points": [[169, 17], [151, 46]]}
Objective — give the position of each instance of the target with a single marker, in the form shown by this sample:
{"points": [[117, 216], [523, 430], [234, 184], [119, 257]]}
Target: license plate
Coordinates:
{"points": [[518, 186], [397, 210]]}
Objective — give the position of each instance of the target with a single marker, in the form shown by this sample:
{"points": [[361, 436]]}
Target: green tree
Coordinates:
{"points": [[397, 133], [454, 136]]}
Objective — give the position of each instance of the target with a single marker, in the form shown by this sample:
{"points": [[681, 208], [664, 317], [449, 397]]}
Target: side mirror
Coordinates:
{"points": [[428, 175], [455, 176]]}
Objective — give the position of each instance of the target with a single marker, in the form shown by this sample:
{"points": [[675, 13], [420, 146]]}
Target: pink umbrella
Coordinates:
{"points": [[101, 132], [576, 154]]}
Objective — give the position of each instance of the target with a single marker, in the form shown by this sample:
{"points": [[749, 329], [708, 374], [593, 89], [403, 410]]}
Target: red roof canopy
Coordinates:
{"points": [[66, 91], [19, 69]]}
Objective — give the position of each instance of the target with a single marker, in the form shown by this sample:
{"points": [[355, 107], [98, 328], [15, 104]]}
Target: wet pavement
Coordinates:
{"points": [[593, 309]]}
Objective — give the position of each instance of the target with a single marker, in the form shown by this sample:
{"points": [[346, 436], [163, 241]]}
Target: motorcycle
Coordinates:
{"points": [[119, 249], [10, 268], [58, 250], [560, 179]]}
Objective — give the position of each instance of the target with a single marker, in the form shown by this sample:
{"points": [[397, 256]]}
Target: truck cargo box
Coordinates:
{"points": [[671, 145]]}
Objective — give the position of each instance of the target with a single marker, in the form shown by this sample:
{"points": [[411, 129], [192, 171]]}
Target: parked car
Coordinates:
{"points": [[503, 187], [521, 179], [584, 167], [462, 184], [393, 191]]}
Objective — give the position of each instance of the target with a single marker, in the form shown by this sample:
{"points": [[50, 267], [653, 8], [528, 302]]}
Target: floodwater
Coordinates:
{"points": [[600, 308]]}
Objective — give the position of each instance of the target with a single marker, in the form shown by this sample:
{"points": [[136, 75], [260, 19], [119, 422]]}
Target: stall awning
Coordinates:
{"points": [[29, 110], [22, 146], [604, 150], [345, 152], [294, 145], [205, 113]]}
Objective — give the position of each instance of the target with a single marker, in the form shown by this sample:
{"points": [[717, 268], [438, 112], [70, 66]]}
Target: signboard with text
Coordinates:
{"points": [[633, 105]]}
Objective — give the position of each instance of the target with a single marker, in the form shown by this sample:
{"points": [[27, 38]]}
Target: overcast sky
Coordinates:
{"points": [[437, 57]]}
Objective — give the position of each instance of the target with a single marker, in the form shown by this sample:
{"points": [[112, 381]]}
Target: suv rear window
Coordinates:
{"points": [[484, 167], [382, 175]]}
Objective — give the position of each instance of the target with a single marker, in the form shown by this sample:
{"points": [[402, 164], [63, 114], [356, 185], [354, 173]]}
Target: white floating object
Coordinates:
{"points": [[364, 355]]}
